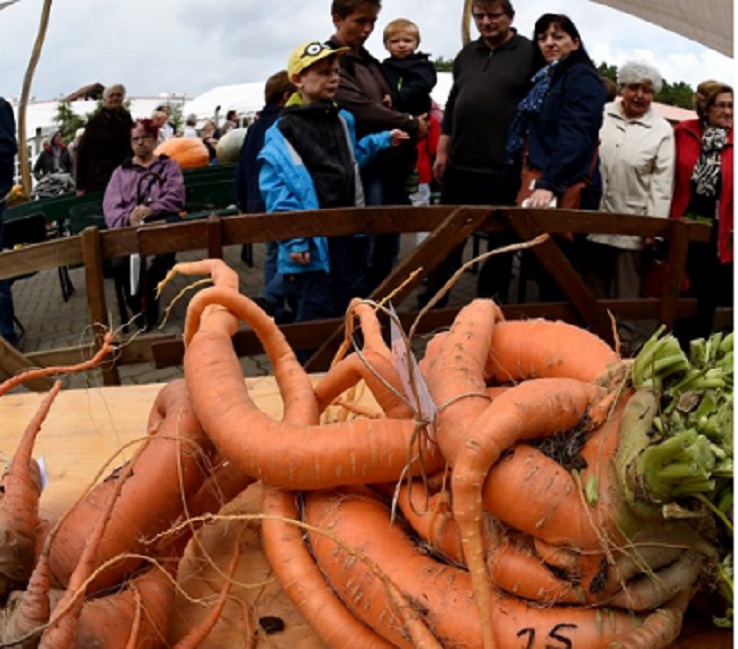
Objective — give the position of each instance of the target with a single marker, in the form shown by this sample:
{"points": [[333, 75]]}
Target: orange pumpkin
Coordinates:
{"points": [[189, 152]]}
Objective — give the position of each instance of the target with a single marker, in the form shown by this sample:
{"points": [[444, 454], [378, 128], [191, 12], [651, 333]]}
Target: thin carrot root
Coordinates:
{"points": [[106, 348], [19, 494], [196, 635]]}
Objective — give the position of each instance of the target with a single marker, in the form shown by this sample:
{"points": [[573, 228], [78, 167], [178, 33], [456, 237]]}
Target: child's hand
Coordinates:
{"points": [[302, 258], [387, 101], [398, 136]]}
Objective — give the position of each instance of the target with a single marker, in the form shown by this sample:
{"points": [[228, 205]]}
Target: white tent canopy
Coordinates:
{"points": [[709, 22], [246, 98]]}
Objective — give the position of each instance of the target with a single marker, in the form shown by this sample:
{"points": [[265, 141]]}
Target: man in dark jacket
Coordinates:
{"points": [[363, 91], [277, 91], [8, 149], [491, 76], [106, 142]]}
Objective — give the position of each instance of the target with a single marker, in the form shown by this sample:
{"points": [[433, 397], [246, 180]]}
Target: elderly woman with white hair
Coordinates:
{"points": [[637, 167]]}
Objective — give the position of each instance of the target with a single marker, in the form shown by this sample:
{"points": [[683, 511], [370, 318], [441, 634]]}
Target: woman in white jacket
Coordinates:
{"points": [[637, 167]]}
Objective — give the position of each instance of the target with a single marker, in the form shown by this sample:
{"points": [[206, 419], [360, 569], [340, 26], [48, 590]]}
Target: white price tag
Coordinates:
{"points": [[44, 473], [407, 366]]}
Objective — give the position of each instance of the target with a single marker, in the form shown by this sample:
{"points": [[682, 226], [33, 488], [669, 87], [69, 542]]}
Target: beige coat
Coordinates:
{"points": [[637, 167]]}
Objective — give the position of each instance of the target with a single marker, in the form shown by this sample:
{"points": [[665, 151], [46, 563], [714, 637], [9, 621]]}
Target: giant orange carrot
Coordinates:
{"points": [[456, 376], [523, 349], [533, 409], [443, 593], [285, 549], [167, 472]]}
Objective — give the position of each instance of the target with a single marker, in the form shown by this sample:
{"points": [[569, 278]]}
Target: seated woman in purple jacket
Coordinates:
{"points": [[144, 189]]}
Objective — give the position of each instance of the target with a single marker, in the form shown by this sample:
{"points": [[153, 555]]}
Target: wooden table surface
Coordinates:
{"points": [[86, 429]]}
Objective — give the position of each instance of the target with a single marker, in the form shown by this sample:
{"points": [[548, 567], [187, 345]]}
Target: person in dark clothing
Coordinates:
{"points": [[53, 159], [106, 142], [491, 75], [363, 90], [310, 160], [412, 77], [8, 149], [557, 128], [277, 90]]}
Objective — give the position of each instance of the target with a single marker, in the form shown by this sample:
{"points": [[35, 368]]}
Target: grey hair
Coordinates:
{"points": [[115, 86], [638, 72]]}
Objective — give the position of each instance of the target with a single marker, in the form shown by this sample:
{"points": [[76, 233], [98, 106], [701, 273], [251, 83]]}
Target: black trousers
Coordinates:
{"points": [[463, 187]]}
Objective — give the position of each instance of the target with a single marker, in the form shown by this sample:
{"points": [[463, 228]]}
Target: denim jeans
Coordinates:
{"points": [[382, 188], [273, 291], [309, 297], [7, 328]]}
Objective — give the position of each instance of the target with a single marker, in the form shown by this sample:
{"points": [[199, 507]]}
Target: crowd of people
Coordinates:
{"points": [[528, 122]]}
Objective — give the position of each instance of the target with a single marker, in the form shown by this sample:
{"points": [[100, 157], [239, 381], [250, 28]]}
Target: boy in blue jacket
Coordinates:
{"points": [[310, 160]]}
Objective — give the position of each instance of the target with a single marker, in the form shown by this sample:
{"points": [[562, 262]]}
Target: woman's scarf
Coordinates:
{"points": [[706, 172], [530, 106]]}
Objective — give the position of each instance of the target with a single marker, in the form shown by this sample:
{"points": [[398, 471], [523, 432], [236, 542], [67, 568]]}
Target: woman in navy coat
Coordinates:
{"points": [[557, 125]]}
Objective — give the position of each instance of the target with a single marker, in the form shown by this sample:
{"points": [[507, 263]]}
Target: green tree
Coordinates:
{"points": [[443, 65], [677, 94], [608, 71], [68, 121]]}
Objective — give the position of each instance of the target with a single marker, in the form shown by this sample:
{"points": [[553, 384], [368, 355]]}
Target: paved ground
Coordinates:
{"points": [[51, 323]]}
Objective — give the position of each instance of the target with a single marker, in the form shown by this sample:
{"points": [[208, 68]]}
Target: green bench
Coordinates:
{"points": [[208, 190]]}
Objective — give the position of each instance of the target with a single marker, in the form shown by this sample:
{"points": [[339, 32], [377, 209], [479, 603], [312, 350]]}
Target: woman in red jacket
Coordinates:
{"points": [[703, 190]]}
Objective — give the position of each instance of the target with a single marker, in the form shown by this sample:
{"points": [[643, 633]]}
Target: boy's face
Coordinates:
{"points": [[354, 29], [319, 82], [401, 44]]}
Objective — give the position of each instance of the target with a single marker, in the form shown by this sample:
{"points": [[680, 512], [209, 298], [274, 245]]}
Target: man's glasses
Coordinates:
{"points": [[142, 138], [479, 17], [723, 105]]}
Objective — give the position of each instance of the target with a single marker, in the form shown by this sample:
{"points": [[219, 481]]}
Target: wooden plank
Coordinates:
{"points": [[215, 237], [92, 251], [12, 362], [307, 335], [677, 263], [49, 255], [457, 227], [587, 222], [557, 265]]}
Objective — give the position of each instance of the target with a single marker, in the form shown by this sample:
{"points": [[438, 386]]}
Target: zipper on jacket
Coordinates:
{"points": [[489, 58]]}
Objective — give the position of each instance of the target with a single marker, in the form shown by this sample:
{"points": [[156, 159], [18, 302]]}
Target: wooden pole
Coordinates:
{"points": [[25, 168]]}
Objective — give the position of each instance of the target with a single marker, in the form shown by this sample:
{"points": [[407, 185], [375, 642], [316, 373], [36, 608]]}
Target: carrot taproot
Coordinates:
{"points": [[355, 451], [294, 567], [135, 616], [27, 612], [20, 489], [171, 465], [442, 593], [537, 348], [513, 567], [374, 364], [106, 348], [535, 408], [456, 376], [197, 634]]}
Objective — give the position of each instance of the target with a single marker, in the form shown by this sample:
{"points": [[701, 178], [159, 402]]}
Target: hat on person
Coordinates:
{"points": [[310, 53]]}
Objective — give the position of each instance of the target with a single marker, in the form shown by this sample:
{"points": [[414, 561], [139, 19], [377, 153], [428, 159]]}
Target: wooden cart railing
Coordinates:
{"points": [[448, 226]]}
